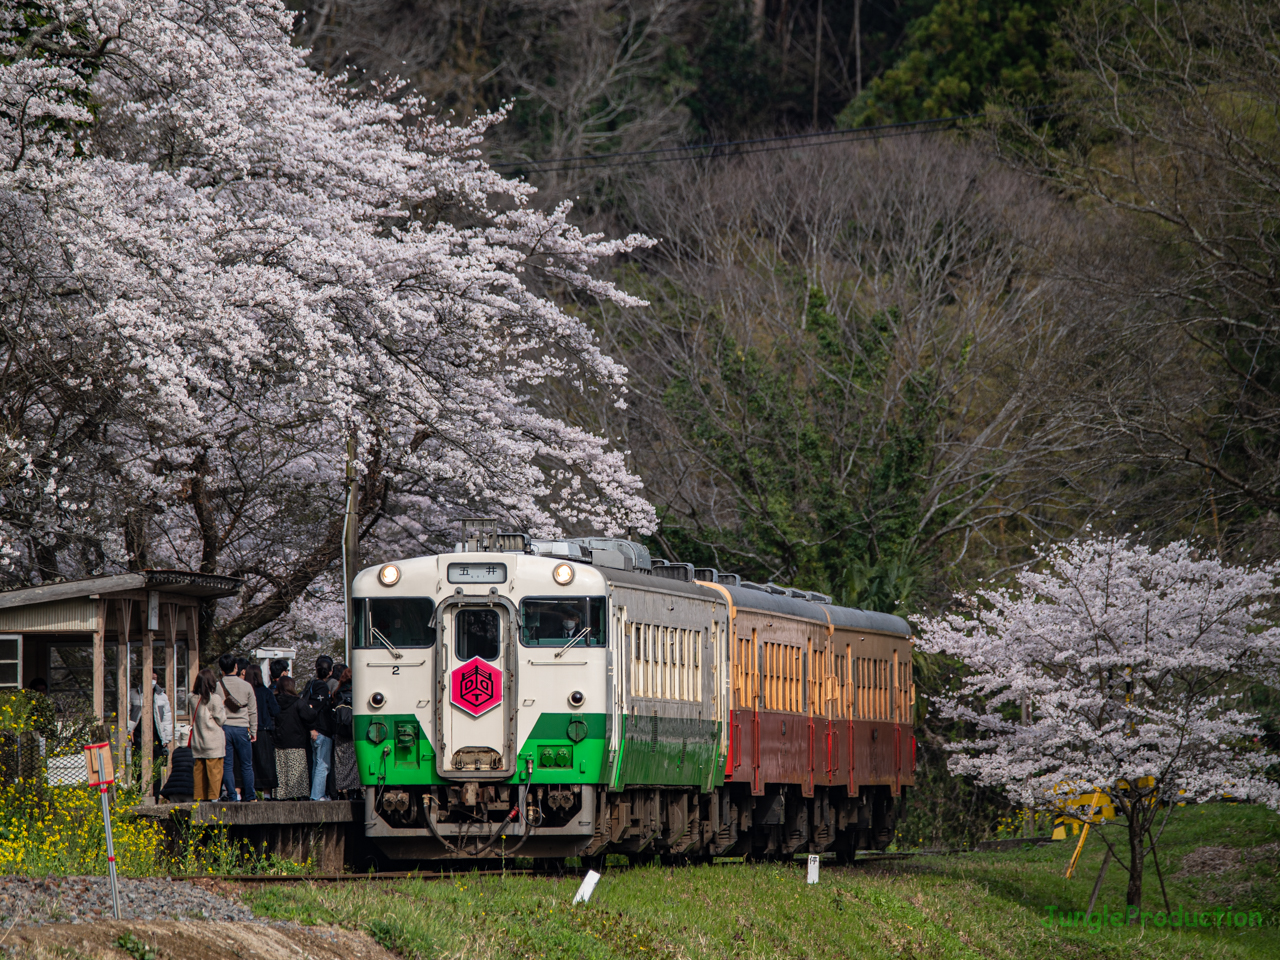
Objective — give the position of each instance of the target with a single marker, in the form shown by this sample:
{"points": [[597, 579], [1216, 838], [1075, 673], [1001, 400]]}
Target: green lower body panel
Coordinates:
{"points": [[394, 749], [669, 751], [562, 748]]}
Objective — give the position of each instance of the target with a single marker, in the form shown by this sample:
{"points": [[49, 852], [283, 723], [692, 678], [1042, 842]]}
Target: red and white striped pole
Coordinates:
{"points": [[97, 758]]}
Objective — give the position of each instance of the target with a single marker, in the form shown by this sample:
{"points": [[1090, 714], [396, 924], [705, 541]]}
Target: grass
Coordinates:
{"points": [[973, 905]]}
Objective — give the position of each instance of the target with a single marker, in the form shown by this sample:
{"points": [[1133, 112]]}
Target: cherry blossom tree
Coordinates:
{"points": [[1134, 663], [219, 270]]}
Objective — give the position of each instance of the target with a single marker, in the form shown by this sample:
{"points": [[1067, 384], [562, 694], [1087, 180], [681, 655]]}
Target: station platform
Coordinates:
{"points": [[324, 832]]}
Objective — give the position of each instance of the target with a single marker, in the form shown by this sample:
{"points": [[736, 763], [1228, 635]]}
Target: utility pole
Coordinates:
{"points": [[817, 64], [350, 542], [857, 46]]}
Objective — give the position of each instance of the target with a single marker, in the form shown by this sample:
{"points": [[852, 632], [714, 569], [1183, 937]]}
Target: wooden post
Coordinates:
{"points": [[193, 644], [125, 615], [146, 743], [100, 663], [170, 674]]}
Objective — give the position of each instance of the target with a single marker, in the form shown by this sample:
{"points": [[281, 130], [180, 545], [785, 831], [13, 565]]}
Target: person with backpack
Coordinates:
{"points": [[264, 748], [316, 713], [292, 739], [207, 741], [346, 777], [240, 729]]}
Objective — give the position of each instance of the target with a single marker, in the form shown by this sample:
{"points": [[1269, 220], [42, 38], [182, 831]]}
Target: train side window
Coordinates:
{"points": [[479, 634], [556, 621], [404, 621]]}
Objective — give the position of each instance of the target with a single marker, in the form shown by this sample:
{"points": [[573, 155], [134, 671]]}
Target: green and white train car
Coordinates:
{"points": [[573, 698]]}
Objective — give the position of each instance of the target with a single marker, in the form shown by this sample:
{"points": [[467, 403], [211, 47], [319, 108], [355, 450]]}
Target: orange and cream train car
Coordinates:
{"points": [[820, 738]]}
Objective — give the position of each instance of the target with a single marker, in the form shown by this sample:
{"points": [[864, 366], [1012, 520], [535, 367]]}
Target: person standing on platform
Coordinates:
{"points": [[316, 713], [346, 777], [241, 729], [264, 749], [291, 739], [279, 668], [161, 727], [208, 742]]}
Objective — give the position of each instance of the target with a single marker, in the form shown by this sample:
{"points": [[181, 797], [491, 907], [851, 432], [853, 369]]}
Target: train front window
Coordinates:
{"points": [[404, 621], [479, 634], [557, 621]]}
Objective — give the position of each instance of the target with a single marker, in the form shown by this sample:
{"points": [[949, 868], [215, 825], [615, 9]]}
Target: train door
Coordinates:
{"points": [[477, 693]]}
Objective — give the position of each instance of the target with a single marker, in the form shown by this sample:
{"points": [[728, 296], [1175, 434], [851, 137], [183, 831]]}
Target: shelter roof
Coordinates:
{"points": [[202, 585]]}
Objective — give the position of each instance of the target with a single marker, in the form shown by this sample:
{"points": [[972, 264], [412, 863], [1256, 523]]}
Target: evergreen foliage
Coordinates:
{"points": [[957, 54]]}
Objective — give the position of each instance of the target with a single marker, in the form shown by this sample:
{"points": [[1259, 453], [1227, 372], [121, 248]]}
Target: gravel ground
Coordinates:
{"points": [[32, 900]]}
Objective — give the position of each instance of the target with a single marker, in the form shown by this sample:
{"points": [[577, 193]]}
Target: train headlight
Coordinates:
{"points": [[376, 700], [577, 698], [389, 575], [563, 574]]}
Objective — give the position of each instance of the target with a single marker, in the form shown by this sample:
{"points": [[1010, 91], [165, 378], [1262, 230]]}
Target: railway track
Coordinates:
{"points": [[251, 878]]}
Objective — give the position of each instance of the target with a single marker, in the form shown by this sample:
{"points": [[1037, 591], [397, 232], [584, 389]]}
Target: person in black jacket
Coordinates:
{"points": [[292, 739], [346, 778], [316, 713], [264, 749], [181, 785]]}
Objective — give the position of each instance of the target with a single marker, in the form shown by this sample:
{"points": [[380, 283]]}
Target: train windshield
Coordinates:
{"points": [[557, 621], [404, 621]]}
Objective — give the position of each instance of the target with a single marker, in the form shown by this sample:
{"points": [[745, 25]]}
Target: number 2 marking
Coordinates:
{"points": [[395, 671]]}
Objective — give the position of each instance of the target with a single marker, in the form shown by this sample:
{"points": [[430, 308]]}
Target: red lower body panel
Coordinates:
{"points": [[770, 747]]}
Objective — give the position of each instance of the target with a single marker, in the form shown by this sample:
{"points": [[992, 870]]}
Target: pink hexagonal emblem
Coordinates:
{"points": [[476, 686]]}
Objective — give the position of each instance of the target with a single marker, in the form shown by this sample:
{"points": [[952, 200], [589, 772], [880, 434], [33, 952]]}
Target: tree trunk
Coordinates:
{"points": [[1133, 898]]}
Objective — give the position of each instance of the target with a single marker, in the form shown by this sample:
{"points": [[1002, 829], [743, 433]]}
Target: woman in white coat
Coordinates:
{"points": [[208, 743]]}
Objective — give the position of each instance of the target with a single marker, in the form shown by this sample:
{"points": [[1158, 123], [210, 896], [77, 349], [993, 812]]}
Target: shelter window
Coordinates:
{"points": [[10, 658], [404, 621], [557, 621]]}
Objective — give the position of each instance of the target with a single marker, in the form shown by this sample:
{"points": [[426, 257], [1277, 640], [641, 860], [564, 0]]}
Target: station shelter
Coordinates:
{"points": [[95, 639]]}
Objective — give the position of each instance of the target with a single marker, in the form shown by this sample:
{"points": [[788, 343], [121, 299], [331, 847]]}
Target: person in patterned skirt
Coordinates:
{"points": [[291, 739]]}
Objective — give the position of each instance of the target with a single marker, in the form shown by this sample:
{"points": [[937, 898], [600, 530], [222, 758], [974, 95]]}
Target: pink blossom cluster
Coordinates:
{"points": [[216, 267], [1132, 662]]}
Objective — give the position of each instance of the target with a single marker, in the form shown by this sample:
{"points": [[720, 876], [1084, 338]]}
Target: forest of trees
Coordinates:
{"points": [[883, 365]]}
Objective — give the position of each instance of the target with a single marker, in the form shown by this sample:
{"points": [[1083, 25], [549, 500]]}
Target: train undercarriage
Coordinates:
{"points": [[476, 820]]}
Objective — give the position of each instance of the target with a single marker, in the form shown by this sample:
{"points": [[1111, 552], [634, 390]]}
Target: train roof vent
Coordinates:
{"points": [[636, 554], [568, 549], [673, 571], [818, 597], [480, 535], [777, 590], [712, 575], [749, 585]]}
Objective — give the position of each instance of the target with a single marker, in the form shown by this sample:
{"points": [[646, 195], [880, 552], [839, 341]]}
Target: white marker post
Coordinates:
{"points": [[97, 758], [588, 885], [814, 860]]}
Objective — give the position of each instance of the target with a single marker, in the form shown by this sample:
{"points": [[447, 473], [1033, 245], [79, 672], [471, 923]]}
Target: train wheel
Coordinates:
{"points": [[642, 859]]}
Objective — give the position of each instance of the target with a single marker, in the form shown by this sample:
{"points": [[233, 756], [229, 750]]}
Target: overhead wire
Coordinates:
{"points": [[737, 148]]}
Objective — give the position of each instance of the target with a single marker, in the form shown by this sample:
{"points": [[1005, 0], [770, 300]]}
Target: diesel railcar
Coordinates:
{"points": [[566, 698]]}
